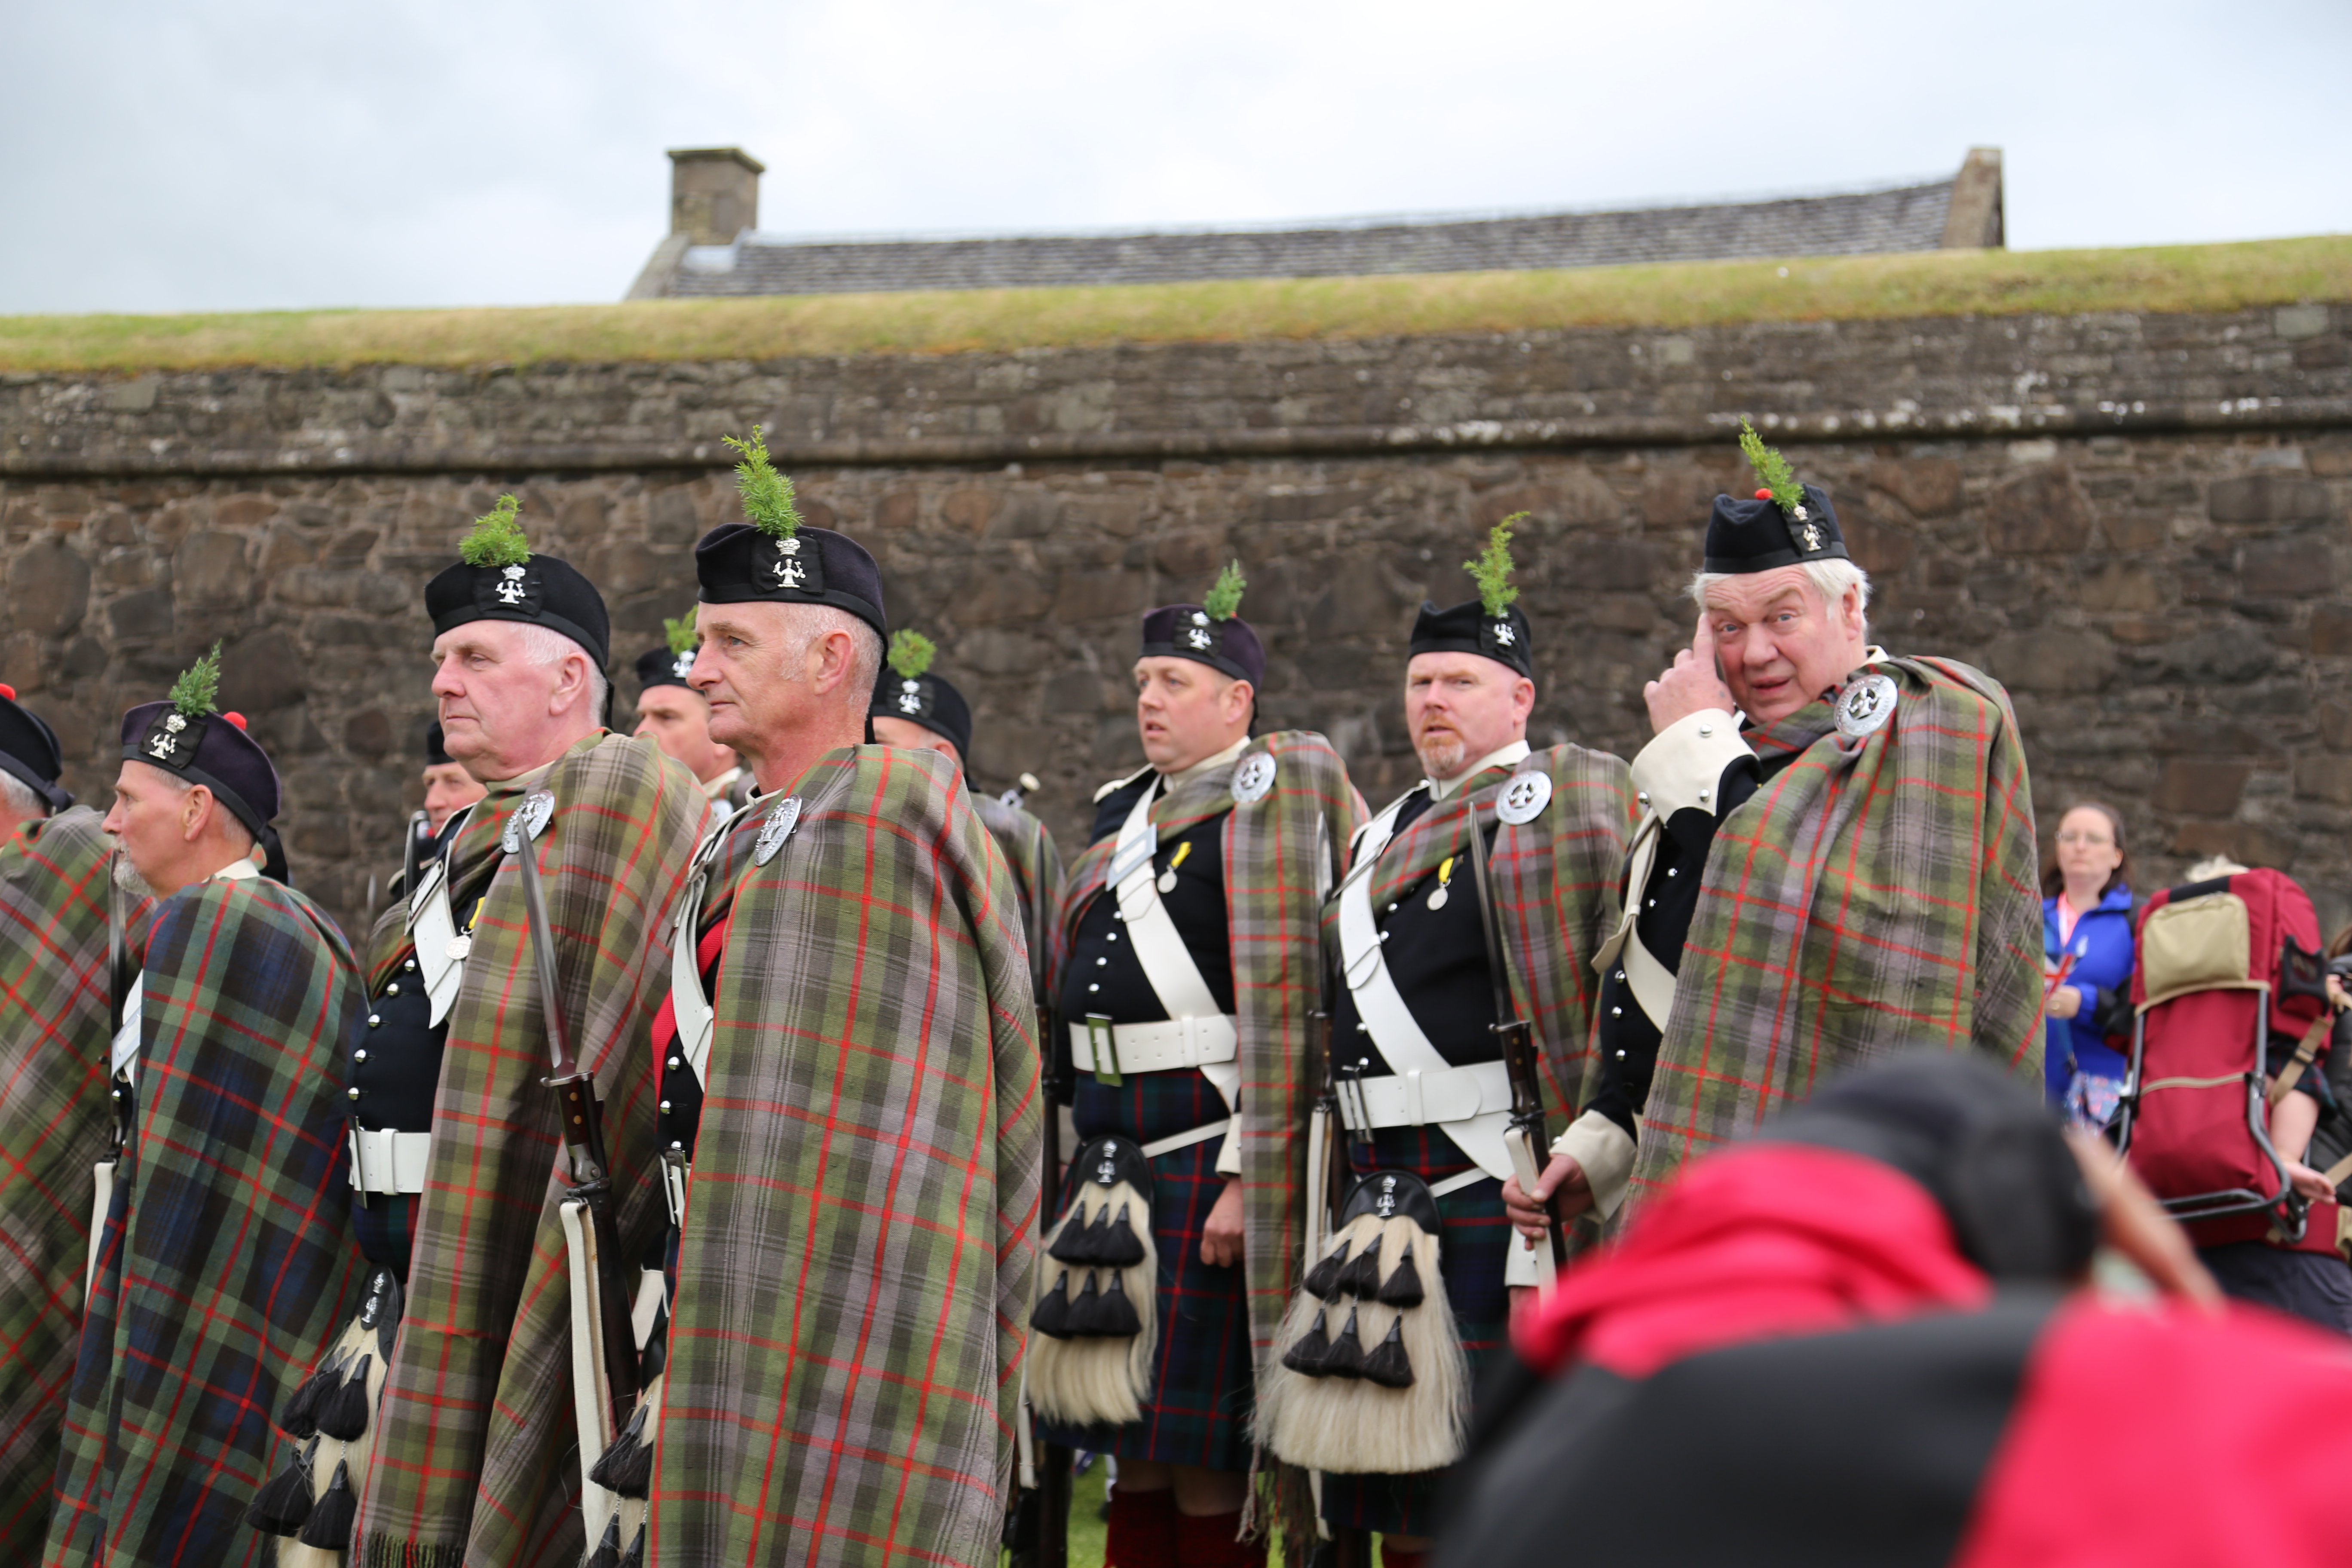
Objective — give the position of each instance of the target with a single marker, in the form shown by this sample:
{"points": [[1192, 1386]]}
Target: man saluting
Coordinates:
{"points": [[1835, 861]]}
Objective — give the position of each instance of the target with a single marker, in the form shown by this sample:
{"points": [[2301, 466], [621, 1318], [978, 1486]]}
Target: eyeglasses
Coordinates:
{"points": [[2098, 840]]}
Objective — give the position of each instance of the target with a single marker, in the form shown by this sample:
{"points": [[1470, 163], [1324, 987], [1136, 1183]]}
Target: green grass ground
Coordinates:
{"points": [[1687, 294]]}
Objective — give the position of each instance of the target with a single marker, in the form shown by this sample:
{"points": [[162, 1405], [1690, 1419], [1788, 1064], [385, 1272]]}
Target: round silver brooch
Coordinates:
{"points": [[529, 821], [776, 829], [1865, 706], [1253, 778], [1524, 798]]}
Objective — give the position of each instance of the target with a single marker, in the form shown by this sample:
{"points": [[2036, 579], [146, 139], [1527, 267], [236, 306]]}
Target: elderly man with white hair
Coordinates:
{"points": [[440, 1425], [1835, 862]]}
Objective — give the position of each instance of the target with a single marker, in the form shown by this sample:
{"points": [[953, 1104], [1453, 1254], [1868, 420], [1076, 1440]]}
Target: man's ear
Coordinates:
{"points": [[1238, 698], [196, 811], [1522, 697]]}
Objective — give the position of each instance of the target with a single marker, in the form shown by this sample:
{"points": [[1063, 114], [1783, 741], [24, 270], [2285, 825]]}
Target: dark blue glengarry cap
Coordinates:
{"points": [[737, 564], [924, 699], [1758, 535], [209, 749], [1466, 628], [660, 666], [1229, 647], [29, 752]]}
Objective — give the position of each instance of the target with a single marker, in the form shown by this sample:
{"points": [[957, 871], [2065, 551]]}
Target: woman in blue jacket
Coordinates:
{"points": [[2086, 927]]}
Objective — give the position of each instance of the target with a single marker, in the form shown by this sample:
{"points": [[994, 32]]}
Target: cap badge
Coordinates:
{"points": [[776, 829], [1506, 635], [683, 665], [1200, 618], [910, 697], [511, 590], [161, 746], [1253, 778], [1865, 706], [174, 723], [1198, 638], [1811, 536], [1524, 798], [787, 572]]}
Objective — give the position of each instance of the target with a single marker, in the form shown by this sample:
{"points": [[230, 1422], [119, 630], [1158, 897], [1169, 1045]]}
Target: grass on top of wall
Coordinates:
{"points": [[2172, 278]]}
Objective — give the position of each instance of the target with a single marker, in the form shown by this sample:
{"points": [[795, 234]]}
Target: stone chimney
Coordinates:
{"points": [[714, 193], [1975, 220]]}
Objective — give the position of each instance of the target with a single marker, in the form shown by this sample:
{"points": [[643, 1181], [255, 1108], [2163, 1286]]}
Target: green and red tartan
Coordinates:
{"points": [[1036, 861], [1278, 857], [475, 1447], [227, 1255], [844, 1359], [1878, 894], [54, 1027]]}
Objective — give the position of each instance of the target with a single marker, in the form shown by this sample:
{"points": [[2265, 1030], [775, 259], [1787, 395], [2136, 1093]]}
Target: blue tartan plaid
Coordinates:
{"points": [[1472, 1251], [1198, 1412]]}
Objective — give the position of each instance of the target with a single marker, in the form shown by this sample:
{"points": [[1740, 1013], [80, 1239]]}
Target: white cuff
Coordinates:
{"points": [[1602, 1148], [1229, 1152], [1683, 766]]}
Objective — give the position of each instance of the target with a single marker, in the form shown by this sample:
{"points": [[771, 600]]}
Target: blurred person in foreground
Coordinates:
{"points": [[1869, 1336], [2087, 945], [55, 1001]]}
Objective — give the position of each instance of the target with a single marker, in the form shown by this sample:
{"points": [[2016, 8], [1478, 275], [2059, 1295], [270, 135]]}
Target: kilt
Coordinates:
{"points": [[1473, 1249], [1198, 1409]]}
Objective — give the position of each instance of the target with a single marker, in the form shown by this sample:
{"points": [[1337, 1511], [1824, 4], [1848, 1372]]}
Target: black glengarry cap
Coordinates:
{"points": [[1211, 632], [907, 690], [1783, 524], [1491, 624], [29, 752], [499, 579], [437, 750], [670, 664], [776, 557], [187, 736]]}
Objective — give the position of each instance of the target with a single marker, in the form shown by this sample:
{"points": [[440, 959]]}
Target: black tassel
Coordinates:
{"points": [[1346, 1356], [1052, 1314], [608, 1551], [1072, 1243], [283, 1503], [343, 1414], [298, 1418], [1387, 1365], [1122, 1249], [328, 1527], [1323, 1280], [1118, 1319], [1085, 1312], [1362, 1278], [628, 1459], [1402, 1287], [635, 1557], [1306, 1355]]}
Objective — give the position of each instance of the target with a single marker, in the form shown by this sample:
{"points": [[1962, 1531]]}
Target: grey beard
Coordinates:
{"points": [[1441, 758], [126, 878]]}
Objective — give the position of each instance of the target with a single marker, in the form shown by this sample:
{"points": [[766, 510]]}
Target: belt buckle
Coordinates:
{"points": [[1354, 1114], [1102, 1041], [674, 1184], [359, 1163]]}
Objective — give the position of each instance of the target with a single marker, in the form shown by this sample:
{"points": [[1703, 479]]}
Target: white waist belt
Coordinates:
{"points": [[1157, 1047], [1420, 1098], [390, 1163]]}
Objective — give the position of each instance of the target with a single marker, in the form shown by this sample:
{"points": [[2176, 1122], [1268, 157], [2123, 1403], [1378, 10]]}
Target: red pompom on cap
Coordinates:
{"points": [[1763, 495], [236, 719], [7, 691]]}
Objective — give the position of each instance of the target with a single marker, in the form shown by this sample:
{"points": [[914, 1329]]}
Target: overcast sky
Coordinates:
{"points": [[272, 154]]}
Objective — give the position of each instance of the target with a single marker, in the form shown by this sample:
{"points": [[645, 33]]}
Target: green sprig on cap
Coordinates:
{"points": [[912, 653], [1224, 600], [1772, 470], [199, 685], [498, 539], [679, 633], [767, 494], [1492, 569]]}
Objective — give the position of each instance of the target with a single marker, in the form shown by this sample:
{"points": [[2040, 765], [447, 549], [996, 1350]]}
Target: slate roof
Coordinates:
{"points": [[1900, 219]]}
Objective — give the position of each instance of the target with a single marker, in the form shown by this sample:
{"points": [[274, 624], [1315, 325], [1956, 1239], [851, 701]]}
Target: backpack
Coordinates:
{"points": [[2220, 971]]}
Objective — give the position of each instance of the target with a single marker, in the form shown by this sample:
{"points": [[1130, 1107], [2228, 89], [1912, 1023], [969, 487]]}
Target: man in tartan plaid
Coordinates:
{"points": [[469, 1455], [54, 1003], [225, 1249], [1186, 987], [1420, 992], [1846, 871], [848, 1061]]}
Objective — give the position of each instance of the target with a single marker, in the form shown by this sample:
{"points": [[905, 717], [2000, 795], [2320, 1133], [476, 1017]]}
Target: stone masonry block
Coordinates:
{"points": [[2200, 786], [2269, 497]]}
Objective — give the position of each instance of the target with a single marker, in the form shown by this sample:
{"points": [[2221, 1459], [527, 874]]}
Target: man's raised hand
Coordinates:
{"points": [[1690, 685]]}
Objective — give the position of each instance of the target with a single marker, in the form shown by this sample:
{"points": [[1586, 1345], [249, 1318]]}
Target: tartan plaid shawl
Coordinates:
{"points": [[1036, 861], [1875, 895], [54, 1027], [482, 1365], [1556, 881], [1274, 894], [227, 1251], [853, 1276]]}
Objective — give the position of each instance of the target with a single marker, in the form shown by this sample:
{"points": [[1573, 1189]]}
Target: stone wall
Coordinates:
{"points": [[2137, 522]]}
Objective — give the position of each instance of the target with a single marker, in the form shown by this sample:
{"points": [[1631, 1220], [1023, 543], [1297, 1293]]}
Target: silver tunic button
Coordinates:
{"points": [[1100, 961], [678, 1146], [1670, 871], [665, 1105], [1705, 730], [409, 968], [673, 1061], [1094, 988], [359, 1056], [1643, 797], [1702, 797], [1616, 1011], [352, 1092], [374, 1021], [393, 989]]}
